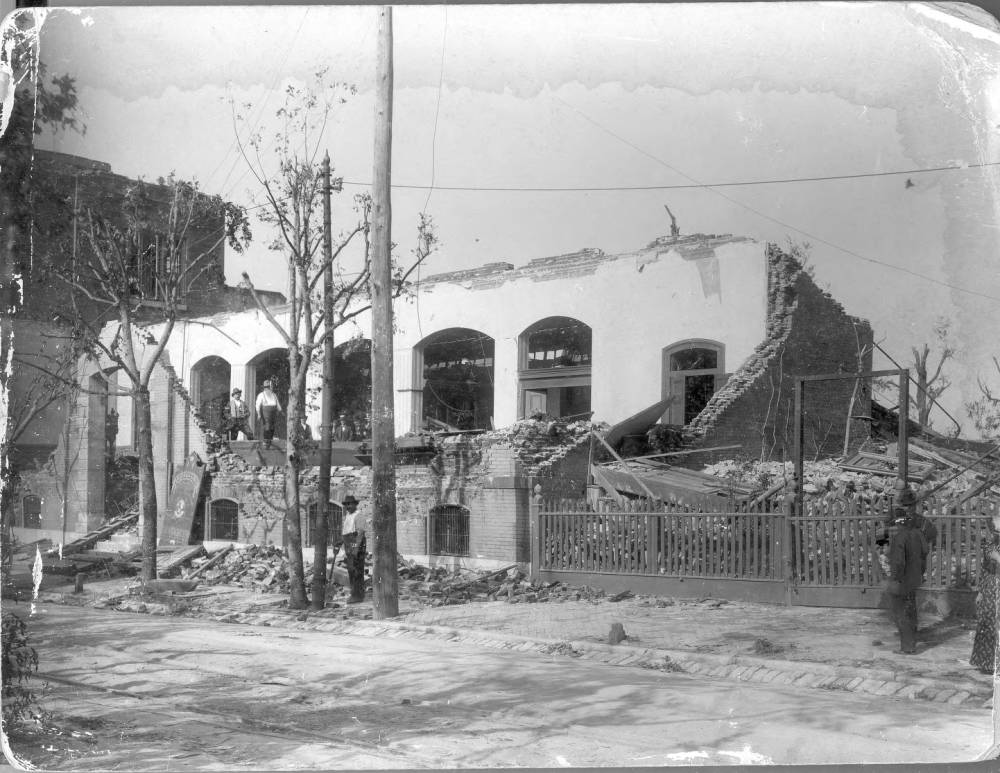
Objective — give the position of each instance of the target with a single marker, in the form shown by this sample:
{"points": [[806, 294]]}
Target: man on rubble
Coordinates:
{"points": [[355, 548]]}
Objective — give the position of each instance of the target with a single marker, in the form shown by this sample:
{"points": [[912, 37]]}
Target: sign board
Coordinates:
{"points": [[174, 527]]}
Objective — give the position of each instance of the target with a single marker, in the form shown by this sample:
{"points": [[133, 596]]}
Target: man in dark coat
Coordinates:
{"points": [[907, 562]]}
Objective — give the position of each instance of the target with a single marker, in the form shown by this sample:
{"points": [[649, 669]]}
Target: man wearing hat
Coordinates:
{"points": [[355, 549], [238, 413], [907, 561]]}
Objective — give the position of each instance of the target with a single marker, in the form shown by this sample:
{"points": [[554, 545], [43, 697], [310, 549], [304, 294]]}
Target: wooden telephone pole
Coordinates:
{"points": [[385, 581], [326, 431]]}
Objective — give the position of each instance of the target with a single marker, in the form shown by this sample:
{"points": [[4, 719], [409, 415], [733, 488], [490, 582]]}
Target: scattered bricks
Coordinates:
{"points": [[909, 691], [889, 688], [959, 697]]}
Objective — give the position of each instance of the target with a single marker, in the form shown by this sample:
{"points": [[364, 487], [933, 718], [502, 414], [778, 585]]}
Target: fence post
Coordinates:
{"points": [[787, 510], [534, 521]]}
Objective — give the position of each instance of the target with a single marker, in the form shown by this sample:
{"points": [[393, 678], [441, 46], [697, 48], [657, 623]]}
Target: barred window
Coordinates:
{"points": [[333, 528], [31, 512], [449, 531], [224, 520]]}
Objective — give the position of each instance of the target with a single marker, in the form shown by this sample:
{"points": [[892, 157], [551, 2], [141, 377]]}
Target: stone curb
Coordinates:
{"points": [[742, 668]]}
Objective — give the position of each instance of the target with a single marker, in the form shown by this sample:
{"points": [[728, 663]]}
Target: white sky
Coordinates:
{"points": [[604, 97]]}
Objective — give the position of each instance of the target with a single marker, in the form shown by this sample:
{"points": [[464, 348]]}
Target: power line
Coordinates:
{"points": [[697, 183], [681, 186]]}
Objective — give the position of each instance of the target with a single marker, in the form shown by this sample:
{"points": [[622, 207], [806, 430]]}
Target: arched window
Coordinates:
{"points": [[31, 512], [454, 368], [334, 527], [693, 371], [223, 520], [449, 531], [210, 389], [555, 368], [270, 364]]}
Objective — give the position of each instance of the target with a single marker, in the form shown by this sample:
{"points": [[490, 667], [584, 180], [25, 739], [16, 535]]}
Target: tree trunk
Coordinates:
{"points": [[297, 598], [147, 483]]}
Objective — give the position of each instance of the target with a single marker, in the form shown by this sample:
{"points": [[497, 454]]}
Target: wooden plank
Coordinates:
{"points": [[91, 538], [211, 562], [178, 557]]}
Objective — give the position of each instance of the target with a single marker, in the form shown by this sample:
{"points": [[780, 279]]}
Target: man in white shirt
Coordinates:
{"points": [[355, 548]]}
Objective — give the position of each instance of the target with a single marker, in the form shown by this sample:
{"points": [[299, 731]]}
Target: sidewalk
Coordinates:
{"points": [[811, 647]]}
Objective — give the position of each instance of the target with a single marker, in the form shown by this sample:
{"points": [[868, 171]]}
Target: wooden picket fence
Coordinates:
{"points": [[829, 554]]}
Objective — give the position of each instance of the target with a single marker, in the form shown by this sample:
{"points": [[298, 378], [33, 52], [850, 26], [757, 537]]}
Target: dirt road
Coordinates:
{"points": [[135, 692]]}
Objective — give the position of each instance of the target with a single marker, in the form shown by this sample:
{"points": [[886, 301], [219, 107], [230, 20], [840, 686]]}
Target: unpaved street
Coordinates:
{"points": [[137, 692]]}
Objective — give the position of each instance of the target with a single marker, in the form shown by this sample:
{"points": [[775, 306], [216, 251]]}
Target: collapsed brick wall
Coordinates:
{"points": [[807, 333]]}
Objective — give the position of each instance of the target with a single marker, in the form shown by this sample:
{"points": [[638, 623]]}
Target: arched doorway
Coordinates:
{"points": [[693, 371], [210, 389], [352, 389], [455, 368], [555, 367], [270, 364]]}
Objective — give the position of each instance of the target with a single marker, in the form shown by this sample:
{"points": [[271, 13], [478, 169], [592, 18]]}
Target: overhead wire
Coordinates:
{"points": [[814, 237]]}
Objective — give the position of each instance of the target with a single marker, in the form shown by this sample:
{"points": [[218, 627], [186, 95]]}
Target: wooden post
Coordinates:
{"points": [[903, 437], [799, 424], [385, 581], [535, 525], [322, 525]]}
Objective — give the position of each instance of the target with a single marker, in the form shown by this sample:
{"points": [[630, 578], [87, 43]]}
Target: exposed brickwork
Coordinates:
{"points": [[808, 333], [581, 263]]}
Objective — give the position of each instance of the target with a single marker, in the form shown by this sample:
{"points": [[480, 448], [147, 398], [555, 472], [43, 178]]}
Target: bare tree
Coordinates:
{"points": [[929, 379], [138, 266], [291, 188], [985, 412]]}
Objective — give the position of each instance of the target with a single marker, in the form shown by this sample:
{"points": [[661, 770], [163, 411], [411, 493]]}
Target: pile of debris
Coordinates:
{"points": [[540, 443], [254, 567], [439, 586]]}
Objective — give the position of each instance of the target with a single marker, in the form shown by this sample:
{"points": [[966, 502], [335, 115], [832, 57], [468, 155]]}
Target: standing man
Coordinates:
{"points": [[907, 563], [267, 411], [239, 413], [355, 547]]}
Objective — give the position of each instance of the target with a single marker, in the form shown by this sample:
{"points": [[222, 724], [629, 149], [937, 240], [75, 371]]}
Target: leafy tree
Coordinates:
{"points": [[291, 203], [145, 304]]}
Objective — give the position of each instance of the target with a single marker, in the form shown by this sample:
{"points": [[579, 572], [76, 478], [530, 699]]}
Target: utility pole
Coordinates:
{"points": [[385, 582], [326, 431]]}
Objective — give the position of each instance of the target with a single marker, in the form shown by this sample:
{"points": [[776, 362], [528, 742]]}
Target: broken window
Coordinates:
{"points": [[692, 373], [449, 530], [223, 520], [334, 527], [555, 368], [31, 512], [457, 369]]}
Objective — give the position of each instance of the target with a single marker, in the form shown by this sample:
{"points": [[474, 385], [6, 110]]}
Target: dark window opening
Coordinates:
{"points": [[155, 258], [224, 520], [334, 527], [352, 390], [694, 359], [31, 512], [556, 368], [559, 342], [449, 527], [458, 379], [698, 390]]}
